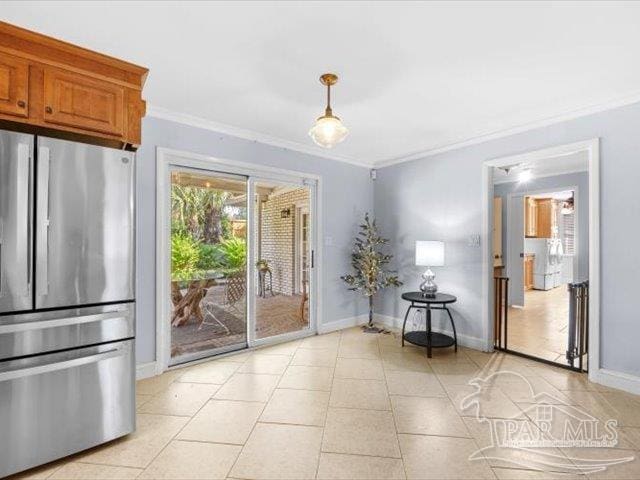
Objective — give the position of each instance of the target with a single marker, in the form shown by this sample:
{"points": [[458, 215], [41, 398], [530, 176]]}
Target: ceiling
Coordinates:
{"points": [[547, 167], [415, 78]]}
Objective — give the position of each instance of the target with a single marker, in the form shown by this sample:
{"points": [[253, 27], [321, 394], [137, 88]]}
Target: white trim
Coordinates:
{"points": [[619, 380], [199, 122], [207, 162], [342, 324], [167, 158], [570, 115], [592, 147], [203, 123], [146, 370]]}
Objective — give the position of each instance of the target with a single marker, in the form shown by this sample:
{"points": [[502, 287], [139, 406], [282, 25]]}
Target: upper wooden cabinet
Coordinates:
{"points": [[60, 89], [547, 217], [540, 217], [530, 217], [14, 86], [78, 101]]}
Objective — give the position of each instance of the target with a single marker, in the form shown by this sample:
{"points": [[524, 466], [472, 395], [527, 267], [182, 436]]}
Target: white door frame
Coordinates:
{"points": [[592, 148], [167, 158], [301, 209]]}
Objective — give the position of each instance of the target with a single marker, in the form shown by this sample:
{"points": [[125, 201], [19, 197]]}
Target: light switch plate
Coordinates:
{"points": [[473, 240]]}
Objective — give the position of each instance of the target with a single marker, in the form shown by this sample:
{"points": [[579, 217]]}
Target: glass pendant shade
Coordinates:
{"points": [[328, 131]]}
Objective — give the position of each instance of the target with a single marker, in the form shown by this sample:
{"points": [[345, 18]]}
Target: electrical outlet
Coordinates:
{"points": [[328, 241]]}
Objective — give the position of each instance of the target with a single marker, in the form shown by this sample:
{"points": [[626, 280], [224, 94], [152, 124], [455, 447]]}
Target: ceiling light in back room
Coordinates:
{"points": [[525, 175], [328, 129]]}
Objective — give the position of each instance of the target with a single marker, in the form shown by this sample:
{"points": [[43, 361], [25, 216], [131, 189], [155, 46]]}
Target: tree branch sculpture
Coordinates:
{"points": [[368, 262]]}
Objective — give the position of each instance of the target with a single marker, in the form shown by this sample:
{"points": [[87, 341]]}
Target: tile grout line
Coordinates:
{"points": [[258, 419], [191, 418], [393, 415], [324, 426]]}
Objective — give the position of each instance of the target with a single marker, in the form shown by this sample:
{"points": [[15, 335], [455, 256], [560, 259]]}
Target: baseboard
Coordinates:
{"points": [[611, 378], [464, 340], [145, 370], [342, 324]]}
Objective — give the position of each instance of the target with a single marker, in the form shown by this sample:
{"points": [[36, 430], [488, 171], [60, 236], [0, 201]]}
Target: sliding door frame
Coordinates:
{"points": [[167, 159], [311, 329]]}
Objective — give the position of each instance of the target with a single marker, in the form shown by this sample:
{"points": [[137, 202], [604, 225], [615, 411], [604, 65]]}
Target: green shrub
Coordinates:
{"points": [[235, 251], [185, 256], [212, 256]]}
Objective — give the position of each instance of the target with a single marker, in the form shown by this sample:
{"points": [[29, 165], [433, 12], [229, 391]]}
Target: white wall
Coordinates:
{"points": [[439, 197], [347, 195]]}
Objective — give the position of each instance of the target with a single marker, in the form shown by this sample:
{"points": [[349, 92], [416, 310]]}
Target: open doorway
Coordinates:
{"points": [[541, 256]]}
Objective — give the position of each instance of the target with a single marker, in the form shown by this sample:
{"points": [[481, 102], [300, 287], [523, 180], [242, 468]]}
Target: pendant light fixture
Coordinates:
{"points": [[328, 129]]}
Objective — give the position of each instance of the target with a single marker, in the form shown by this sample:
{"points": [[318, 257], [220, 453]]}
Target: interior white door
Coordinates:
{"points": [[515, 240]]}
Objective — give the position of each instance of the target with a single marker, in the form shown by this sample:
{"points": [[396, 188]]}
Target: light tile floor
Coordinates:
{"points": [[347, 405]]}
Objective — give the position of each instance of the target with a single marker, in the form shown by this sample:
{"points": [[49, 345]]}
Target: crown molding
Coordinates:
{"points": [[199, 122], [563, 117]]}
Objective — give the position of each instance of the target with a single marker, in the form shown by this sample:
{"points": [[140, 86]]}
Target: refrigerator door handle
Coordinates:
{"points": [[62, 322], [1, 293], [23, 196], [42, 247], [64, 365]]}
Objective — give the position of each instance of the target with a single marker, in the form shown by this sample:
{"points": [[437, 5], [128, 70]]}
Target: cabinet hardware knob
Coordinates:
{"points": [[21, 103], [48, 109]]}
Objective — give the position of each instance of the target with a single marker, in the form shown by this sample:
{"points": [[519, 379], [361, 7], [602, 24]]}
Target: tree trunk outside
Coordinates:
{"points": [[213, 225], [371, 311]]}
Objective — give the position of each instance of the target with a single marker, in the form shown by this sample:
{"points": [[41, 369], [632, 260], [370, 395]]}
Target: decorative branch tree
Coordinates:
{"points": [[369, 263]]}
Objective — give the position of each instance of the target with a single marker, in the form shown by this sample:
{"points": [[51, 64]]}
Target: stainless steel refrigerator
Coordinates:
{"points": [[67, 256]]}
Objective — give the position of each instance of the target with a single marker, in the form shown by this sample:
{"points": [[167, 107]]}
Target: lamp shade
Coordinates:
{"points": [[429, 253]]}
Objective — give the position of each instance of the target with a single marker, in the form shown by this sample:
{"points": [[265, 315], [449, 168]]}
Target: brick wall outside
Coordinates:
{"points": [[278, 237]]}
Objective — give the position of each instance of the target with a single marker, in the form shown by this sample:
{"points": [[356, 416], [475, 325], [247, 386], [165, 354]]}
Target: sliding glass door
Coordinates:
{"points": [[208, 264], [242, 272], [282, 253]]}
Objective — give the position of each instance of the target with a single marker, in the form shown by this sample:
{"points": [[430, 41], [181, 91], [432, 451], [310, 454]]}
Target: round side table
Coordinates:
{"points": [[428, 338]]}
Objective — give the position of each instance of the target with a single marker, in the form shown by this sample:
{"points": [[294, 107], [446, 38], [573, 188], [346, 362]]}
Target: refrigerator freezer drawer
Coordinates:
{"points": [[58, 404], [41, 332]]}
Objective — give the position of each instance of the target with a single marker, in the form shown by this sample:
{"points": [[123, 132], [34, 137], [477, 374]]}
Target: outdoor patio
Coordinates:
{"points": [[274, 315]]}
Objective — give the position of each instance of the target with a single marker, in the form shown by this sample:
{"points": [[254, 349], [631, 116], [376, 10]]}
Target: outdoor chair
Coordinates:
{"points": [[235, 289]]}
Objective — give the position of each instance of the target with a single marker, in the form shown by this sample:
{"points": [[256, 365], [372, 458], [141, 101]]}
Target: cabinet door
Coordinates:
{"points": [[14, 85], [531, 217], [544, 218], [82, 102]]}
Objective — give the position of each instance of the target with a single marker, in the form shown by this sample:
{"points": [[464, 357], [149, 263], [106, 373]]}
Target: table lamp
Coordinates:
{"points": [[429, 253]]}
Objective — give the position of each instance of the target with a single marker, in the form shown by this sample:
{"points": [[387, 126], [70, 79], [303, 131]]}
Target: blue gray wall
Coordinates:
{"points": [[347, 194], [554, 183], [439, 197]]}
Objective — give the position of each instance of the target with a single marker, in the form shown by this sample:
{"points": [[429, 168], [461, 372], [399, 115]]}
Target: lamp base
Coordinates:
{"points": [[428, 287]]}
